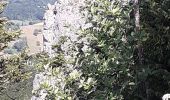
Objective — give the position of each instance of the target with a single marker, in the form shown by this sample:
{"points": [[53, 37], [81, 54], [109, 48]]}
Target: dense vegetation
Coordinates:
{"points": [[13, 70], [128, 56], [26, 9]]}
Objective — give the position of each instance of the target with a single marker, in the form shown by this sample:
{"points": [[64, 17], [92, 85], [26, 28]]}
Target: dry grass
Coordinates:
{"points": [[28, 32]]}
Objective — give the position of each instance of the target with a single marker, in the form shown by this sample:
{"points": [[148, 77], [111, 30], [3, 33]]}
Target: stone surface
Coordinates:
{"points": [[63, 19], [49, 29]]}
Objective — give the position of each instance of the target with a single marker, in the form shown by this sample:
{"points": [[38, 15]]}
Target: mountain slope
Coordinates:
{"points": [[26, 9]]}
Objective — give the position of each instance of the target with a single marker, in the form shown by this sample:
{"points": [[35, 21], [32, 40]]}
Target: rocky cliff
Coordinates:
{"points": [[62, 22]]}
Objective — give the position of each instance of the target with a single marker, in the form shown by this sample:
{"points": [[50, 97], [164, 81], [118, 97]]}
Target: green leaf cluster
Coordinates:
{"points": [[109, 69]]}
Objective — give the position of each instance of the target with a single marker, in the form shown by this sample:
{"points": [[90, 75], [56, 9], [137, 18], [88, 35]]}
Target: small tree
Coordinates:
{"points": [[12, 68], [5, 36]]}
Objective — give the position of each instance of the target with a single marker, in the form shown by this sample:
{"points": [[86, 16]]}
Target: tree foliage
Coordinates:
{"points": [[113, 61], [5, 36], [12, 67]]}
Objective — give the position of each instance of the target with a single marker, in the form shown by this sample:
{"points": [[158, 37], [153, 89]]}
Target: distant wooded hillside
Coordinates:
{"points": [[26, 9]]}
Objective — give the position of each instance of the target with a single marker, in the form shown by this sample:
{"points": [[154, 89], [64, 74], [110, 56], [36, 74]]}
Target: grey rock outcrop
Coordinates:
{"points": [[49, 29], [62, 20]]}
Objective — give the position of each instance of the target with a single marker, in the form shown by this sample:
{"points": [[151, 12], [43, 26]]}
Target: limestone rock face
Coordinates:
{"points": [[62, 20], [49, 29]]}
